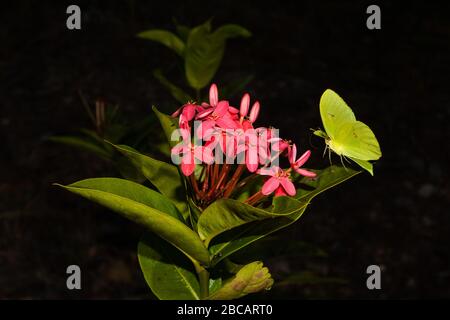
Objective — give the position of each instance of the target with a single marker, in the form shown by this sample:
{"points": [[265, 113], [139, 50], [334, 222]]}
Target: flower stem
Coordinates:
{"points": [[234, 179], [195, 186], [205, 182], [254, 198]]}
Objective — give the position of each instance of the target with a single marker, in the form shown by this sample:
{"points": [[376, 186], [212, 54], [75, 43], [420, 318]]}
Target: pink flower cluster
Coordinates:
{"points": [[223, 131]]}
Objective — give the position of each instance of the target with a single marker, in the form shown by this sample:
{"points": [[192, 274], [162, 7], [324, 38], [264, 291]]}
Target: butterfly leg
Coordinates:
{"points": [[329, 156], [343, 162], [325, 150]]}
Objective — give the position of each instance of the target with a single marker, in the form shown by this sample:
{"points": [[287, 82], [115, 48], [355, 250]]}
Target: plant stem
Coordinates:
{"points": [[205, 182], [203, 277], [198, 193], [254, 198], [230, 186]]}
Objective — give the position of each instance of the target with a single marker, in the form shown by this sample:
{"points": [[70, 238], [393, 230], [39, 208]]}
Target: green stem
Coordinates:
{"points": [[203, 277]]}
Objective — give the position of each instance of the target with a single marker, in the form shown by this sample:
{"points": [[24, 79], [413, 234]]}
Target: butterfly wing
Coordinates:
{"points": [[356, 140], [334, 112], [366, 165]]}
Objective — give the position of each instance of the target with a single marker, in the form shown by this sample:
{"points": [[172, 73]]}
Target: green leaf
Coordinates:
{"points": [[326, 179], [252, 185], [214, 284], [83, 144], [128, 171], [236, 86], [228, 242], [291, 209], [145, 207], [205, 50], [166, 38], [229, 31], [252, 278], [165, 177], [176, 92], [168, 124], [182, 30], [226, 214], [167, 272]]}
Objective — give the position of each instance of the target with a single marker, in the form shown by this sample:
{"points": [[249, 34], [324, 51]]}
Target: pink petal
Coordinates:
{"points": [[204, 154], [205, 113], [264, 155], [301, 161], [204, 129], [187, 164], [232, 110], [213, 95], [177, 149], [305, 173], [227, 123], [293, 154], [272, 171], [270, 186], [247, 125], [189, 112], [288, 186], [252, 167], [251, 159], [222, 108], [280, 192], [177, 112]]}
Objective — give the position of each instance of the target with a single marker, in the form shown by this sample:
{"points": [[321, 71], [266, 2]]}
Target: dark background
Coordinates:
{"points": [[396, 80]]}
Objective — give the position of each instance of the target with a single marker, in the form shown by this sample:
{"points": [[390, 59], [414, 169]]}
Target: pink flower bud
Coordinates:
{"points": [[254, 112], [213, 95], [245, 104]]}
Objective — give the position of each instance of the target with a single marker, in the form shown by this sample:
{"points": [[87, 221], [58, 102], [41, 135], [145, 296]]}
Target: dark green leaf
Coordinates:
{"points": [[326, 178], [168, 124], [83, 144], [229, 31], [235, 86], [205, 50], [166, 38], [176, 92]]}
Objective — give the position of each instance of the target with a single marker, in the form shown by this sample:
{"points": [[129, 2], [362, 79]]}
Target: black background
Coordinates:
{"points": [[396, 80]]}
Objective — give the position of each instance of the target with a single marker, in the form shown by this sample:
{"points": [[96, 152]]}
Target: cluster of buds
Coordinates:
{"points": [[221, 150]]}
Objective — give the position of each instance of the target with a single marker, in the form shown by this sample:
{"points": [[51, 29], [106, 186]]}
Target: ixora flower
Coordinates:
{"points": [[279, 181], [226, 187], [222, 131]]}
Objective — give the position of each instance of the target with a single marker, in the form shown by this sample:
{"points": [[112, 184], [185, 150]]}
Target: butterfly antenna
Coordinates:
{"points": [[310, 142]]}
